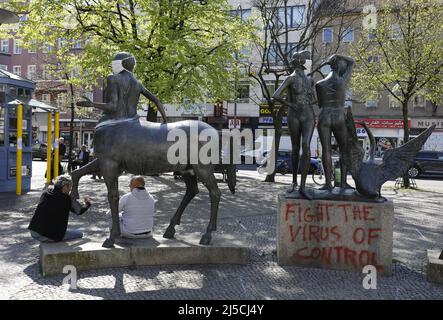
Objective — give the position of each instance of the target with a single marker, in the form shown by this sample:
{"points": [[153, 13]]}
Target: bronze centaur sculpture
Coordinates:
{"points": [[124, 143]]}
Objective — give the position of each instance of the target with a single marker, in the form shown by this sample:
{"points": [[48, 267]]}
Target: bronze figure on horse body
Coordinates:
{"points": [[124, 143]]}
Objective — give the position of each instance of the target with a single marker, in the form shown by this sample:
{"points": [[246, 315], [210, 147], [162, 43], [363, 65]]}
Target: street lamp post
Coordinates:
{"points": [[81, 132], [236, 76]]}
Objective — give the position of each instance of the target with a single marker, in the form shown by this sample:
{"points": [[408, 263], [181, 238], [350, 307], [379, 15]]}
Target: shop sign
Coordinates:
{"points": [[382, 123], [426, 123]]}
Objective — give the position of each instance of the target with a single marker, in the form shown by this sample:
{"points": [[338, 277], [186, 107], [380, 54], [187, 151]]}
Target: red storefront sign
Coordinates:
{"points": [[383, 123]]}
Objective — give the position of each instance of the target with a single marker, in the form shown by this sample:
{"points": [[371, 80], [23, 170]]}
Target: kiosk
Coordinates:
{"points": [[16, 107], [15, 94]]}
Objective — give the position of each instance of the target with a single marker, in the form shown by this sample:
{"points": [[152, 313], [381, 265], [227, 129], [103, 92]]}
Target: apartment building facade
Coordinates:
{"points": [[35, 64]]}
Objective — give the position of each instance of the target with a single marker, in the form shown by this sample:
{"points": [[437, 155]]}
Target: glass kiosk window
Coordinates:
{"points": [[13, 126]]}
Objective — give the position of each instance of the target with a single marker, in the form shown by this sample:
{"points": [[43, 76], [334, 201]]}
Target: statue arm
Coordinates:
{"points": [[281, 88], [107, 106], [157, 102], [350, 65]]}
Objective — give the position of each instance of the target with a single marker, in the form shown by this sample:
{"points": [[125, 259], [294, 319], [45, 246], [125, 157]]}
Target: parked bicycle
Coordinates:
{"points": [[318, 176]]}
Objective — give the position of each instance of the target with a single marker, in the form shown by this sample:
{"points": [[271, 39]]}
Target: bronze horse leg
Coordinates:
{"points": [[110, 171], [206, 174], [90, 168], [191, 191]]}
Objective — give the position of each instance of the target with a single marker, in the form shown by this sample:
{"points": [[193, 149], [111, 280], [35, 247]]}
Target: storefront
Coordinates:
{"points": [[388, 134], [435, 141]]}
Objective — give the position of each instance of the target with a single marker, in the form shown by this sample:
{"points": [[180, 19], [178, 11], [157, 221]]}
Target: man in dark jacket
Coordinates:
{"points": [[50, 220]]}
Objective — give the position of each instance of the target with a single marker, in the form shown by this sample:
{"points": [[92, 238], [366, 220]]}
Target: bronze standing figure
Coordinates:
{"points": [[301, 118], [331, 93]]}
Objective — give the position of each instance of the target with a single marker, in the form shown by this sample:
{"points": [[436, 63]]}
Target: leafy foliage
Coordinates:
{"points": [[183, 49], [405, 52]]}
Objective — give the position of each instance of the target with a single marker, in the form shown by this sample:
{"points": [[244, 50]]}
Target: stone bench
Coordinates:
{"points": [[85, 254]]}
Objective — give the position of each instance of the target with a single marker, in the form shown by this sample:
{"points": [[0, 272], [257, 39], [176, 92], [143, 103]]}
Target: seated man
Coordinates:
{"points": [[136, 210], [50, 220]]}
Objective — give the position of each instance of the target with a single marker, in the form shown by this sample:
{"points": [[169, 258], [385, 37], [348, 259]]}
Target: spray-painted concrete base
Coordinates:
{"points": [[86, 255], [342, 235], [434, 272]]}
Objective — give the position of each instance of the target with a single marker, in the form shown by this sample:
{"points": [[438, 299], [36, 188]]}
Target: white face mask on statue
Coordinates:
{"points": [[117, 66]]}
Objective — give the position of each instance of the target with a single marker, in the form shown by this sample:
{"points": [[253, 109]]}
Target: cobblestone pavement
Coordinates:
{"points": [[251, 212]]}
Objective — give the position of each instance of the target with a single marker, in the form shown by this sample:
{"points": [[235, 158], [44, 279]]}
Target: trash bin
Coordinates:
{"points": [[337, 173]]}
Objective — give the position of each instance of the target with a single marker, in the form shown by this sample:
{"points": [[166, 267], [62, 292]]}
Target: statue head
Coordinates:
{"points": [[338, 64], [299, 58], [123, 61]]}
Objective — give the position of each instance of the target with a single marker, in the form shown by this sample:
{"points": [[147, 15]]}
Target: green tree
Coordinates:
{"points": [[403, 56], [183, 48]]}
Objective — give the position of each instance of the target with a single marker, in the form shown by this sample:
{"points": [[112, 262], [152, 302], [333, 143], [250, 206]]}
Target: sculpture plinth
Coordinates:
{"points": [[434, 270], [335, 234]]}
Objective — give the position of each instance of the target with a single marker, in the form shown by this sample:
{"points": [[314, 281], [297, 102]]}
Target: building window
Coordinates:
{"points": [[245, 54], [46, 98], [327, 35], [271, 87], [275, 56], [396, 32], [371, 103], [242, 95], [77, 44], [394, 103], [61, 100], [33, 47], [297, 16], [348, 36], [17, 70], [17, 47], [47, 48], [245, 14], [291, 17], [45, 72], [75, 72], [5, 46], [371, 34], [32, 70], [61, 42], [374, 59], [419, 101], [4, 67]]}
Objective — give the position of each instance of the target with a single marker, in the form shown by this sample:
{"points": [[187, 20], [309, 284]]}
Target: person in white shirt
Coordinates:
{"points": [[136, 211]]}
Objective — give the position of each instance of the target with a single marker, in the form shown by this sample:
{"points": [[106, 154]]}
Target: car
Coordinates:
{"points": [[285, 155], [39, 151], [252, 156], [427, 163]]}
